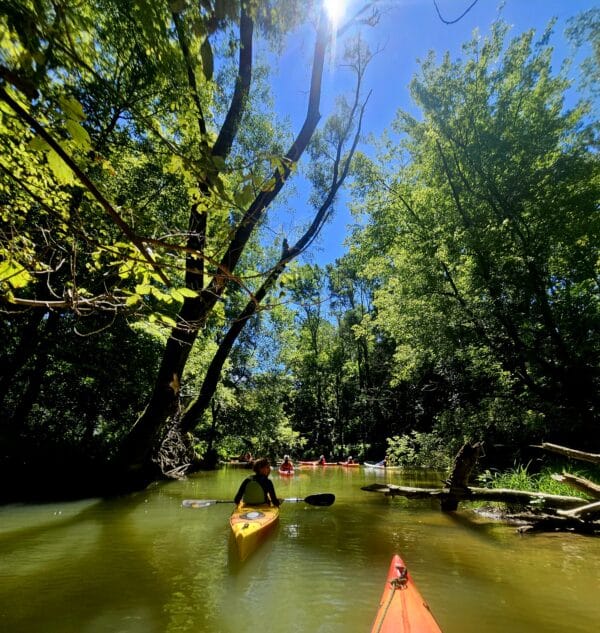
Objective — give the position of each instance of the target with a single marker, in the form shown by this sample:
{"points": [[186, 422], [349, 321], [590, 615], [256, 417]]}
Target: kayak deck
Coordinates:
{"points": [[402, 609], [250, 524]]}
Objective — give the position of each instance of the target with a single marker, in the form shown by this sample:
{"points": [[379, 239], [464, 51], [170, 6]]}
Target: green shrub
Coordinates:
{"points": [[424, 450]]}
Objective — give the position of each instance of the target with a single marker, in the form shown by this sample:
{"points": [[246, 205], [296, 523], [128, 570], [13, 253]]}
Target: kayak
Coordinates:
{"points": [[347, 465], [317, 463], [286, 473], [250, 524], [402, 608], [380, 466]]}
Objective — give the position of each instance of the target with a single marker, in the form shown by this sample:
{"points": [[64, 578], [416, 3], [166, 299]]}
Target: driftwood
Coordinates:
{"points": [[580, 483], [589, 511], [547, 512], [505, 495], [594, 458]]}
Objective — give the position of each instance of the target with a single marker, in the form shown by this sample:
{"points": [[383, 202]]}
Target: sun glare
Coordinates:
{"points": [[335, 9]]}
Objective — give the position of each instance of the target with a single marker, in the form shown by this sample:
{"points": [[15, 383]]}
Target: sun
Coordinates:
{"points": [[335, 9]]}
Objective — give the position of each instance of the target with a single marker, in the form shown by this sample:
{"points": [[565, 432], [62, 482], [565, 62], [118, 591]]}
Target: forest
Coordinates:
{"points": [[153, 321]]}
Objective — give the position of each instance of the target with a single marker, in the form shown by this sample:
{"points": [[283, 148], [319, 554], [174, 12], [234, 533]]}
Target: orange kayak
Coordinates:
{"points": [[402, 608]]}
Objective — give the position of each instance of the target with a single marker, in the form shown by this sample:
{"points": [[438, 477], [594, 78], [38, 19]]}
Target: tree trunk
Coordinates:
{"points": [[135, 459], [457, 482]]}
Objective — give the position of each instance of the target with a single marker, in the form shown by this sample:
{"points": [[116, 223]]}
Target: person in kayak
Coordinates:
{"points": [[322, 461], [287, 465], [258, 489]]}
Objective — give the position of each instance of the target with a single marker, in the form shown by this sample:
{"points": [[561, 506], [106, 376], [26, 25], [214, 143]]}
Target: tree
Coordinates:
{"points": [[482, 237], [137, 186]]}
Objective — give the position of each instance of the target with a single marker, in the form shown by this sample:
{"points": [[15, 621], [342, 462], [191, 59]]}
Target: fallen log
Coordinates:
{"points": [[505, 495], [589, 511], [580, 483], [594, 458]]}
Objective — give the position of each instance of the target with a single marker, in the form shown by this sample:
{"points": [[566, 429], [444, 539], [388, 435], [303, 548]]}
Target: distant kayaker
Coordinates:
{"points": [[322, 461], [287, 464], [350, 460], [258, 489]]}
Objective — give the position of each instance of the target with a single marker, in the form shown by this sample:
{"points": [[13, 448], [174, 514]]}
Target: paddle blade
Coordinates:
{"points": [[323, 499], [198, 503]]}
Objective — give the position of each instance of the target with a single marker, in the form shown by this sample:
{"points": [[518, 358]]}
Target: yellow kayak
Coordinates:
{"points": [[249, 525]]}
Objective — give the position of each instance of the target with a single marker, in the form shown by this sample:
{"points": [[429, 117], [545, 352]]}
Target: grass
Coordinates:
{"points": [[519, 478]]}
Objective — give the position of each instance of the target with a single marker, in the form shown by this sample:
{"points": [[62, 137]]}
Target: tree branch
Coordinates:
{"points": [[229, 129], [195, 411], [89, 185]]}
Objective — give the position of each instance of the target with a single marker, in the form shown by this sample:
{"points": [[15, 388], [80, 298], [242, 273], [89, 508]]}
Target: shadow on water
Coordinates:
{"points": [[77, 555]]}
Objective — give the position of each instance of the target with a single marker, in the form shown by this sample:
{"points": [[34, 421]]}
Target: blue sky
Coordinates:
{"points": [[408, 30]]}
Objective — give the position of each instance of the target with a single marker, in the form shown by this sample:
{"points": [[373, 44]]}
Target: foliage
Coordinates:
{"points": [[481, 225], [520, 478], [256, 420], [427, 450], [140, 160]]}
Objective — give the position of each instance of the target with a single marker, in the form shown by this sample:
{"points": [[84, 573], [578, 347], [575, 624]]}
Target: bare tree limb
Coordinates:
{"points": [[594, 458], [590, 510], [579, 483]]}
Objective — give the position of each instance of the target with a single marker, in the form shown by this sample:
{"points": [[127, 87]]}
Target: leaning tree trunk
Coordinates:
{"points": [[136, 461]]}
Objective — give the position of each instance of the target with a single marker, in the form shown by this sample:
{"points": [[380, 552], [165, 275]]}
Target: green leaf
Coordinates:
{"points": [[60, 169], [73, 109], [14, 273], [166, 320], [79, 135], [188, 292], [207, 59], [38, 144]]}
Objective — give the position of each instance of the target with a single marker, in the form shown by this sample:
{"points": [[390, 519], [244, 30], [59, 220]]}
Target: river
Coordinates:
{"points": [[144, 564]]}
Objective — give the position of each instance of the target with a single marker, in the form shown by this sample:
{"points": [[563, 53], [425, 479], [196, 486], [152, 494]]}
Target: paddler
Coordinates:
{"points": [[287, 465], [258, 489]]}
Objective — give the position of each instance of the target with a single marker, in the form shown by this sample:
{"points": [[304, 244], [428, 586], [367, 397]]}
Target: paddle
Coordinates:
{"points": [[322, 499]]}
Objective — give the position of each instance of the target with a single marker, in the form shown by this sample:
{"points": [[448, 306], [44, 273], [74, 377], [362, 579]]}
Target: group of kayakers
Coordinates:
{"points": [[398, 611], [259, 489]]}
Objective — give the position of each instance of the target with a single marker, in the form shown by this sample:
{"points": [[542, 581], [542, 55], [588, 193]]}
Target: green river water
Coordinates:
{"points": [[142, 563]]}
